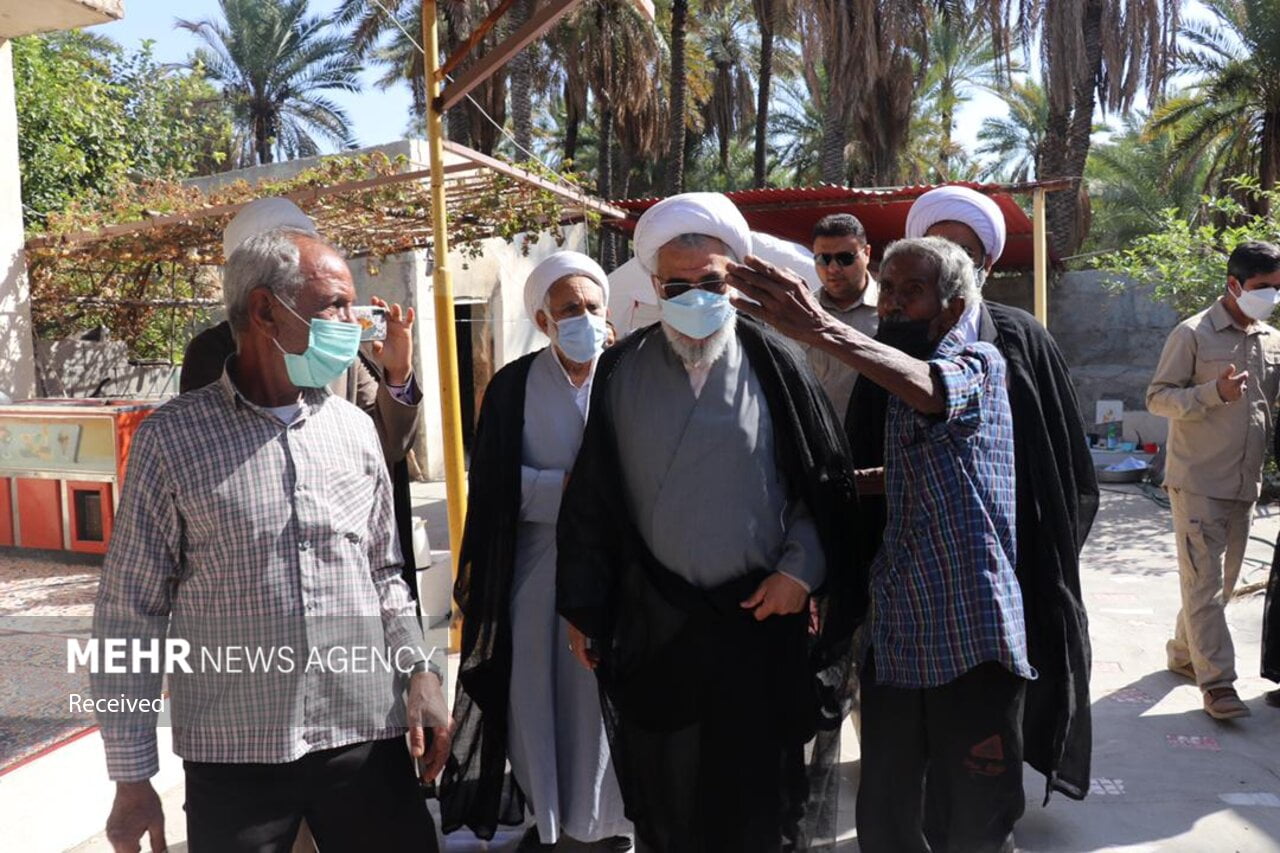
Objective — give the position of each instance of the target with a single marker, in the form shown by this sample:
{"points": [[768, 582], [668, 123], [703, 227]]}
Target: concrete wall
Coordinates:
{"points": [[17, 355], [1112, 342]]}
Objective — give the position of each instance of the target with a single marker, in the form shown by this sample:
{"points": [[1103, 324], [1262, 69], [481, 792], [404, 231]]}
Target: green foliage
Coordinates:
{"points": [[150, 285], [1186, 257], [274, 64], [91, 116], [1226, 121], [1132, 179], [1015, 142]]}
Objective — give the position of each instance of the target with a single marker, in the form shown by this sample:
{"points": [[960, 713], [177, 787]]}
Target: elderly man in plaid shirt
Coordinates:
{"points": [[256, 526], [945, 661]]}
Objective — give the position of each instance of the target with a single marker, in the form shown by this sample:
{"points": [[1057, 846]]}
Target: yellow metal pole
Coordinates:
{"points": [[446, 341], [1040, 244]]}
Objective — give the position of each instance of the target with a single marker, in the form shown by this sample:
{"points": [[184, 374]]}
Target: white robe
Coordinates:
{"points": [[556, 736]]}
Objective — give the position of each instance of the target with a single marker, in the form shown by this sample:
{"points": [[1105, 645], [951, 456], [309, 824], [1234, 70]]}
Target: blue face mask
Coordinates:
{"points": [[697, 313], [331, 349], [581, 338]]}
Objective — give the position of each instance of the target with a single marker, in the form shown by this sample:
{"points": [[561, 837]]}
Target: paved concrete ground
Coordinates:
{"points": [[1166, 777]]}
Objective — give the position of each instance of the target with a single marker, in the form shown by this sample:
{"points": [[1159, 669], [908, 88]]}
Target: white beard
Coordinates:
{"points": [[701, 353]]}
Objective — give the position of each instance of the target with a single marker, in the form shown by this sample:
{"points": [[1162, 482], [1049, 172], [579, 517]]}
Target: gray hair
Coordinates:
{"points": [[957, 278], [272, 260], [702, 241]]}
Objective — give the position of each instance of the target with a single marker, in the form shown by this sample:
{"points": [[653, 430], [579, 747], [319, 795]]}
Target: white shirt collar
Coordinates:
{"points": [[968, 325]]}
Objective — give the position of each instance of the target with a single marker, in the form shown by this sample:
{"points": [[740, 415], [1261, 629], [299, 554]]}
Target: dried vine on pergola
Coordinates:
{"points": [[116, 261]]}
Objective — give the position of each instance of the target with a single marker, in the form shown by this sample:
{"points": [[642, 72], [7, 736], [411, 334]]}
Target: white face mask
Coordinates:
{"points": [[1258, 304]]}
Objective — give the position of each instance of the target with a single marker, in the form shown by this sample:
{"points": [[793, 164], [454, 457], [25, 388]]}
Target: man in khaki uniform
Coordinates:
{"points": [[841, 254], [1217, 383]]}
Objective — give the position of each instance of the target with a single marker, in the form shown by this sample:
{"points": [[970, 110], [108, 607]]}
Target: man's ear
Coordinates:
{"points": [[262, 312], [1237, 289], [540, 320], [657, 286]]}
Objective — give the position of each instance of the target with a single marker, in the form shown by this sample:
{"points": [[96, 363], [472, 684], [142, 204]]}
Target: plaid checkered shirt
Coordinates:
{"points": [[944, 594], [272, 550]]}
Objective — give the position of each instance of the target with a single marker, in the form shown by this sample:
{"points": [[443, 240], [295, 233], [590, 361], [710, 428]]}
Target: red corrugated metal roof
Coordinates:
{"points": [[791, 214]]}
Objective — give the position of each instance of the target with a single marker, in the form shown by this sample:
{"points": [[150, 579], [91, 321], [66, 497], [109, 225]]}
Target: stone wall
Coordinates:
{"points": [[1112, 341]]}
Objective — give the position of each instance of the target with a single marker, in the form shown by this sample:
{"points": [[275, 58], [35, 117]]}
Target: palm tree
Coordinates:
{"points": [[1230, 117], [1134, 178], [797, 128], [1094, 53], [774, 18], [677, 97], [961, 58], [380, 38], [874, 53], [273, 62], [729, 109], [1016, 142]]}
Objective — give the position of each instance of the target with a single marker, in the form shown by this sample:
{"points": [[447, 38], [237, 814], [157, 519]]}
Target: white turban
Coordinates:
{"points": [[261, 216], [552, 269], [711, 214], [960, 204]]}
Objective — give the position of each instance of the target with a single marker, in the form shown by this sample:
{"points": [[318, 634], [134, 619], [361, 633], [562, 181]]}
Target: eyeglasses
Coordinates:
{"points": [[672, 289], [844, 259]]}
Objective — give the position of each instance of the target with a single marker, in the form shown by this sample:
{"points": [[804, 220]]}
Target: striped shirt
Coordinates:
{"points": [[944, 594], [271, 549]]}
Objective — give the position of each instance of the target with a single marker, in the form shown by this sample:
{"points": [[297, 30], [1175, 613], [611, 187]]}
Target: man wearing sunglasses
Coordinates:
{"points": [[841, 254]]}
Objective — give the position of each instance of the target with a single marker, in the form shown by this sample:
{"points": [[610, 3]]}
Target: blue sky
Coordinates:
{"points": [[381, 116], [376, 116]]}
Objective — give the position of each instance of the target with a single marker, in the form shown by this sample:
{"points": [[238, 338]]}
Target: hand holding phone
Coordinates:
{"points": [[372, 320]]}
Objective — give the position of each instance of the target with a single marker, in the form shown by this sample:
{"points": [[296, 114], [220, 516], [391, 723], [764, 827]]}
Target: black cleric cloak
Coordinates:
{"points": [[477, 789], [662, 642], [1057, 498], [1271, 610]]}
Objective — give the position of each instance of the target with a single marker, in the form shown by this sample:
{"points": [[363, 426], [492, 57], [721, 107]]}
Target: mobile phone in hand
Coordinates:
{"points": [[372, 320]]}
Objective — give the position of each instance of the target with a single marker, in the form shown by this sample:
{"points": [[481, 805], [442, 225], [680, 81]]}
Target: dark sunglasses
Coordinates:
{"points": [[844, 259], [672, 289]]}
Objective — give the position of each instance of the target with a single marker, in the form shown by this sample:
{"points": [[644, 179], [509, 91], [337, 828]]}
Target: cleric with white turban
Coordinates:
{"points": [[259, 217], [522, 700], [709, 214], [688, 545], [966, 217], [552, 269]]}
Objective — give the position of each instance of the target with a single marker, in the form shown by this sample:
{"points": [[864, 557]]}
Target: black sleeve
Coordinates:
{"points": [[205, 356], [589, 532]]}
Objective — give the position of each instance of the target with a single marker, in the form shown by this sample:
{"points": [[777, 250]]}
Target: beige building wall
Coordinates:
{"points": [[20, 18], [17, 348]]}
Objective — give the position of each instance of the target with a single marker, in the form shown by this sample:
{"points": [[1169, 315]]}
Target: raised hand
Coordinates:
{"points": [[1231, 384], [396, 352]]}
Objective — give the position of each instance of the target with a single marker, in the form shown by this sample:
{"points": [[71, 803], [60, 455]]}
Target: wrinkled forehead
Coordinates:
{"points": [[692, 256], [906, 267], [325, 274], [575, 288]]}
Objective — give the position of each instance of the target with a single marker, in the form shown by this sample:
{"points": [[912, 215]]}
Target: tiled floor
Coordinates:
{"points": [[1165, 776]]}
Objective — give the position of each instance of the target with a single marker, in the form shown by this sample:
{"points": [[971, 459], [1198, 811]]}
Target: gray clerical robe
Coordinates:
{"points": [[701, 470], [556, 736]]}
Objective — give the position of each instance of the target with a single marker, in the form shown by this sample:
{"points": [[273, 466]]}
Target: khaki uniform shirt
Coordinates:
{"points": [[1215, 448], [836, 377]]}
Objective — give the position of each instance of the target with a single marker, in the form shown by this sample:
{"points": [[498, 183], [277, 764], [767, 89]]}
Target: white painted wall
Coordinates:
{"points": [[17, 353]]}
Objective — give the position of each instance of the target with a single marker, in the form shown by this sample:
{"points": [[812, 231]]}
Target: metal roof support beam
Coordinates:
{"points": [[544, 17]]}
